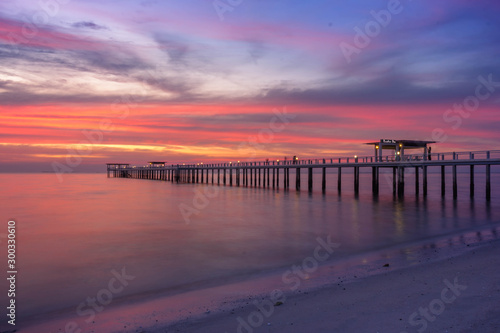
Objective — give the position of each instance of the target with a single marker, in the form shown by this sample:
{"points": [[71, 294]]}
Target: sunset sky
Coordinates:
{"points": [[83, 83]]}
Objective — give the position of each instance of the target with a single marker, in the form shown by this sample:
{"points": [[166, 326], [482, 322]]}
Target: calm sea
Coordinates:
{"points": [[72, 234]]}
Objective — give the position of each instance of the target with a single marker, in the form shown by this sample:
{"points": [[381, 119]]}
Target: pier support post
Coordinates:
{"points": [[224, 170], [230, 177], [297, 179], [356, 180], [274, 176], [488, 182], [424, 180], [259, 177], [212, 176], [488, 178], [394, 181], [323, 180], [455, 188], [471, 186], [268, 177], [277, 177], [339, 179], [310, 180], [443, 182], [417, 181], [401, 182], [284, 178], [375, 181], [218, 176]]}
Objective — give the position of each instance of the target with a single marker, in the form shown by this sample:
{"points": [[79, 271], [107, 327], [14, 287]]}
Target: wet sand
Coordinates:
{"points": [[406, 300]]}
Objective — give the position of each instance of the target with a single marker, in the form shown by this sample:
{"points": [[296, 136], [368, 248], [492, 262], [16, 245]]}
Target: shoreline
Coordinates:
{"points": [[402, 300], [222, 305]]}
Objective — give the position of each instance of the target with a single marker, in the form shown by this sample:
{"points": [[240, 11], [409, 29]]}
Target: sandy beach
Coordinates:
{"points": [[406, 300]]}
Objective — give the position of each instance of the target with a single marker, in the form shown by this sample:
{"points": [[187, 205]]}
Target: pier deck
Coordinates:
{"points": [[267, 173]]}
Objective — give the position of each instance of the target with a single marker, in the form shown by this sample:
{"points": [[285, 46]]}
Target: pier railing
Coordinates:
{"points": [[260, 173], [446, 156]]}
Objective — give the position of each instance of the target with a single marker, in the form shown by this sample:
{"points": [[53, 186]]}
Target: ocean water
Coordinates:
{"points": [[173, 238]]}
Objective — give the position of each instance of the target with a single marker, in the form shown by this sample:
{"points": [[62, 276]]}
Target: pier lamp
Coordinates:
{"points": [[376, 147], [230, 162], [398, 153], [355, 156], [238, 161]]}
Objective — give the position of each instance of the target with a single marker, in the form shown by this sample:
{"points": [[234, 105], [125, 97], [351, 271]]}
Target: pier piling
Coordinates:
{"points": [[258, 174]]}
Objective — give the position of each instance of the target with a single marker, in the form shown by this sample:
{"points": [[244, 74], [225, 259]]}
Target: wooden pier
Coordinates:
{"points": [[273, 174]]}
